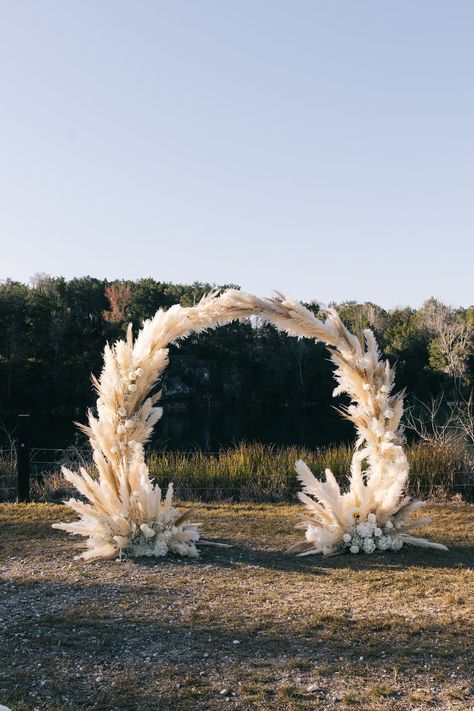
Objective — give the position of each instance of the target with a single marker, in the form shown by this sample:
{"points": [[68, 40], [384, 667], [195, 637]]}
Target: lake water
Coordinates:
{"points": [[210, 430]]}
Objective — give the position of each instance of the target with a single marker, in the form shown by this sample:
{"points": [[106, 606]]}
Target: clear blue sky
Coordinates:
{"points": [[321, 148]]}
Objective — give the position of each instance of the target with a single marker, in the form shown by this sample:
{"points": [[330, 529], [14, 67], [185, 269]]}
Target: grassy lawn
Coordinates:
{"points": [[240, 628]]}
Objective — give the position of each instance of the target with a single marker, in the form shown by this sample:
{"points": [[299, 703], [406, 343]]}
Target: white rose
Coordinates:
{"points": [[132, 387], [396, 544], [378, 532], [354, 549], [346, 538], [139, 372], [131, 375], [160, 549], [369, 545], [388, 414], [388, 525], [122, 411], [363, 530], [147, 531], [372, 518]]}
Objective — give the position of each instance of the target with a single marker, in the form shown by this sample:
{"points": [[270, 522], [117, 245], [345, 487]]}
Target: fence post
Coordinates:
{"points": [[23, 458]]}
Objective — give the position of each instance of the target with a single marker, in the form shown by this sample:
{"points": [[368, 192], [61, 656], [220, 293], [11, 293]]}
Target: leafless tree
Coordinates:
{"points": [[464, 413], [119, 297], [434, 422], [453, 334]]}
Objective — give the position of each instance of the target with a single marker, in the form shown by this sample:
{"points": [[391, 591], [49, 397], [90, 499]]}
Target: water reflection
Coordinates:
{"points": [[210, 430]]}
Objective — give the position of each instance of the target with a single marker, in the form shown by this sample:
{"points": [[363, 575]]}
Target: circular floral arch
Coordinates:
{"points": [[125, 512]]}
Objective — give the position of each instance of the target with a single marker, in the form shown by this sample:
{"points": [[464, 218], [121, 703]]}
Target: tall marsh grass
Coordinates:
{"points": [[246, 472], [258, 472]]}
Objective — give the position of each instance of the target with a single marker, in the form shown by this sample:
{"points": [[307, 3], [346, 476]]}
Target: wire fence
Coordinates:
{"points": [[8, 474], [215, 480]]}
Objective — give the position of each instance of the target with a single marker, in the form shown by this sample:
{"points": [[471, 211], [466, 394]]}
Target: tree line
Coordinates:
{"points": [[54, 330]]}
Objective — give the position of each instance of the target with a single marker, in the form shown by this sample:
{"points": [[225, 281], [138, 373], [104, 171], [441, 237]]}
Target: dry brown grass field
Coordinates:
{"points": [[240, 628]]}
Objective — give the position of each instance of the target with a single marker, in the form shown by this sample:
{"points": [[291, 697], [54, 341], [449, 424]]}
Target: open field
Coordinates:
{"points": [[243, 628]]}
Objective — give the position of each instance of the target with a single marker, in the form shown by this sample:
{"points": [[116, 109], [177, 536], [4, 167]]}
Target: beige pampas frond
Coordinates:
{"points": [[373, 513], [126, 511]]}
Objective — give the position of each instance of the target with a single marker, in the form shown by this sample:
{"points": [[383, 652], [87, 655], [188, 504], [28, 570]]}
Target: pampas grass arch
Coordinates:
{"points": [[126, 512]]}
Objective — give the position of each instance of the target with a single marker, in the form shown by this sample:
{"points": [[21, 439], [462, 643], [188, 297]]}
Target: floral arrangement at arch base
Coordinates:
{"points": [[374, 513]]}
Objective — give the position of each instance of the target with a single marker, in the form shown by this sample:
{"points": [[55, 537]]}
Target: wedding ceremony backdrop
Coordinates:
{"points": [[126, 512]]}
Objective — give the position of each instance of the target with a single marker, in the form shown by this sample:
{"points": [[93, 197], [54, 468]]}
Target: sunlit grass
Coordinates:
{"points": [[259, 472]]}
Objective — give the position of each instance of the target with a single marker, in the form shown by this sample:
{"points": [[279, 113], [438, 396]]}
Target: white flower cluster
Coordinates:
{"points": [[367, 536], [132, 376], [159, 539]]}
